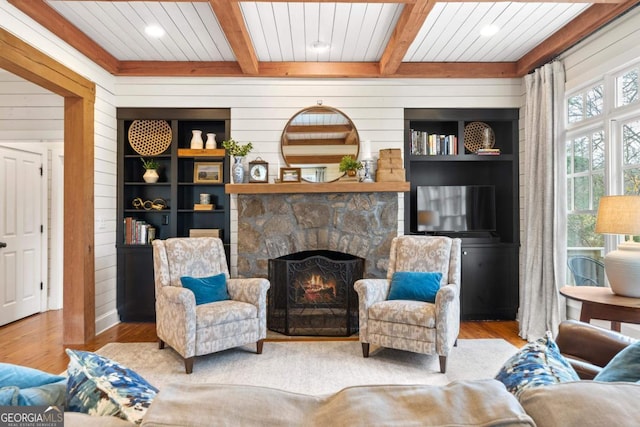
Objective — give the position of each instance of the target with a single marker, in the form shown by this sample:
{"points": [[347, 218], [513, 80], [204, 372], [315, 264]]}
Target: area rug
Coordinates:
{"points": [[316, 367]]}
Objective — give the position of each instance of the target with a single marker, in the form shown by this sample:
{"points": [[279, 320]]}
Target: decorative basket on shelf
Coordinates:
{"points": [[476, 134], [150, 137]]}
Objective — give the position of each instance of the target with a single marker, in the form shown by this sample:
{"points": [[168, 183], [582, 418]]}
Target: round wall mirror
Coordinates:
{"points": [[315, 139]]}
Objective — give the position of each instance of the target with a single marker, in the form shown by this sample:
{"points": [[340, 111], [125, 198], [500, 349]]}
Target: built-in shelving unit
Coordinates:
{"points": [[489, 262], [175, 190]]}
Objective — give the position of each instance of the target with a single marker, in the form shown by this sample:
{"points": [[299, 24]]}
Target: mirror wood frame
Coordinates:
{"points": [[315, 139]]}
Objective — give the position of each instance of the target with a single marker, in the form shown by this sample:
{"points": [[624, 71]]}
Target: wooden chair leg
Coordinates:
{"points": [[259, 346], [160, 344], [443, 364], [188, 364], [365, 349]]}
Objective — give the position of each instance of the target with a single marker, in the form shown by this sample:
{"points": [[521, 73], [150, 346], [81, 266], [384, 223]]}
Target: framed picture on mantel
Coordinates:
{"points": [[290, 174]]}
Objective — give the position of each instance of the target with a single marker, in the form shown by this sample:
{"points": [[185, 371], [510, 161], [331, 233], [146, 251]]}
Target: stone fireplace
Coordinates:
{"points": [[356, 223]]}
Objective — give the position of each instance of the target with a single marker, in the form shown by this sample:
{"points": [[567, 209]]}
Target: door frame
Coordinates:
{"points": [[27, 62]]}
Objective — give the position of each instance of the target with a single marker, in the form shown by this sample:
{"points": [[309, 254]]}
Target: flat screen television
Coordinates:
{"points": [[454, 209]]}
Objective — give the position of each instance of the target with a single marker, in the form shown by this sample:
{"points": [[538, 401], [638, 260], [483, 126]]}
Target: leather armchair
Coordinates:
{"points": [[194, 330], [420, 327], [588, 347]]}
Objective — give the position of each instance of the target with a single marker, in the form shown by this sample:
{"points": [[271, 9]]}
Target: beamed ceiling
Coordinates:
{"points": [[369, 38]]}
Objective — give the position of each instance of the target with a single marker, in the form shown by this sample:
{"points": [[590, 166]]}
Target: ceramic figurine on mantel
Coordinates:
{"points": [[238, 152], [211, 141], [196, 140]]}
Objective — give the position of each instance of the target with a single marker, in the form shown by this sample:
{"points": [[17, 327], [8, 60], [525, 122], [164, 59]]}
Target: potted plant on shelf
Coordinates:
{"points": [[238, 151], [151, 170], [350, 165]]}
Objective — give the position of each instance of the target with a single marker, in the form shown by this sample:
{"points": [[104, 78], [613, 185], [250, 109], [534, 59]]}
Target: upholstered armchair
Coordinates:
{"points": [[194, 330], [417, 326]]}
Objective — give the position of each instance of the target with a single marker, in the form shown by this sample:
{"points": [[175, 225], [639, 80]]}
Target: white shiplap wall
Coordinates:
{"points": [[260, 108], [35, 115]]}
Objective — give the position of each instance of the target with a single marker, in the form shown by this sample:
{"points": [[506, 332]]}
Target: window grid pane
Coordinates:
{"points": [[627, 86], [631, 143], [594, 101], [575, 109]]}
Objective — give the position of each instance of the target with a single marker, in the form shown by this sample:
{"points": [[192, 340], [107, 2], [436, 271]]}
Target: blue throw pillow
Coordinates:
{"points": [[100, 386], [207, 289], [23, 386], [415, 285], [536, 364], [625, 366]]}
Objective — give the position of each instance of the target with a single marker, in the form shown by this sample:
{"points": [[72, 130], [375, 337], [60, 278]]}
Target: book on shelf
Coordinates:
{"points": [[488, 152], [425, 144], [138, 232]]}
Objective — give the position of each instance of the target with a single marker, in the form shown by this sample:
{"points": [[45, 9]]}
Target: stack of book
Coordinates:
{"points": [[488, 152], [137, 232]]}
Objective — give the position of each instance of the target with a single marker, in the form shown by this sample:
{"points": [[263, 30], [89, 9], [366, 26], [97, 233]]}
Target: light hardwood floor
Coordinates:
{"points": [[37, 340]]}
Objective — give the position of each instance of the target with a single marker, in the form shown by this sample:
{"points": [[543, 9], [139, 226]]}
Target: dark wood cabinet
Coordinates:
{"points": [[175, 191], [489, 288]]}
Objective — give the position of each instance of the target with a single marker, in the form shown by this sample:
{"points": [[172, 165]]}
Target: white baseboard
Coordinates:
{"points": [[107, 321]]}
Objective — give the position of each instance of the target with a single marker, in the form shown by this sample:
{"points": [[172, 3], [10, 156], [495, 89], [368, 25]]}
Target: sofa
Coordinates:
{"points": [[489, 402]]}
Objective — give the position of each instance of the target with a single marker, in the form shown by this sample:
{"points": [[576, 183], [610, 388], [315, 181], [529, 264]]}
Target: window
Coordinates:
{"points": [[627, 88], [603, 156], [585, 186], [585, 105]]}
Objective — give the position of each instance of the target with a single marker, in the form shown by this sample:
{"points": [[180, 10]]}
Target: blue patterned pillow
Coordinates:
{"points": [[99, 386], [207, 289], [415, 285], [536, 364]]}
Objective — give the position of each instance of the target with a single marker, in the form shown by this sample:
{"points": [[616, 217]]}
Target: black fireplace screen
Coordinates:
{"points": [[312, 293]]}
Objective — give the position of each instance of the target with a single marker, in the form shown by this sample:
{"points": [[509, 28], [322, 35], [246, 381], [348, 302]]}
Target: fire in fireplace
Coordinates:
{"points": [[312, 293]]}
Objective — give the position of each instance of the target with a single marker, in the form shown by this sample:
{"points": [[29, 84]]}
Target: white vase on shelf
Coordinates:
{"points": [[196, 140], [211, 141], [150, 176]]}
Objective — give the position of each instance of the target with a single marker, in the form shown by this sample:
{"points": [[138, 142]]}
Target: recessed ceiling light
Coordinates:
{"points": [[319, 46], [489, 30], [154, 31]]}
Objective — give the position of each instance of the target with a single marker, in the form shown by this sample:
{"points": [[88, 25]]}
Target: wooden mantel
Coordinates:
{"points": [[307, 187]]}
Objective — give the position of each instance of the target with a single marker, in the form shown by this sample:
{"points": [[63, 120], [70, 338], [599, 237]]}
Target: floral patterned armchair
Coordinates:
{"points": [[416, 326], [194, 330]]}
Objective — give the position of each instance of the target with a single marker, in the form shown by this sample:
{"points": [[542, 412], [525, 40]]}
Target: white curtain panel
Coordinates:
{"points": [[544, 244]]}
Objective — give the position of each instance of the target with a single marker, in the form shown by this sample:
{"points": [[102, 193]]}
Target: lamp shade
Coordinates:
{"points": [[619, 215]]}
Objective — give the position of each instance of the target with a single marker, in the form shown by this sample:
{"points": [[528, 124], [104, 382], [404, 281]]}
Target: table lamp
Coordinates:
{"points": [[621, 215]]}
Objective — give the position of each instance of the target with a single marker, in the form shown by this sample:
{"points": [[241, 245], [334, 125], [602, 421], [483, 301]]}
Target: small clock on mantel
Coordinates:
{"points": [[258, 171]]}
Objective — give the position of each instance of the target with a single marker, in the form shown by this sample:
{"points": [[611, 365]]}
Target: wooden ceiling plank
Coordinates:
{"points": [[179, 69], [408, 26], [49, 18], [580, 27], [230, 18], [320, 69]]}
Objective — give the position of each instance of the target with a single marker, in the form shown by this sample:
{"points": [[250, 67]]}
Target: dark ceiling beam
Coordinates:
{"points": [[49, 18], [589, 21], [407, 27]]}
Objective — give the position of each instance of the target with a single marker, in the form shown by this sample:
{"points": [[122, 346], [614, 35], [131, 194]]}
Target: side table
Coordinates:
{"points": [[601, 303]]}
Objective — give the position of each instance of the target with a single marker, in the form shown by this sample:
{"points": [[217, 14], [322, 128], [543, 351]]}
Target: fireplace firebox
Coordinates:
{"points": [[312, 293]]}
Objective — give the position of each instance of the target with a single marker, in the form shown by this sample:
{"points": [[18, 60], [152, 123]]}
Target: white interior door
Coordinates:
{"points": [[20, 234]]}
